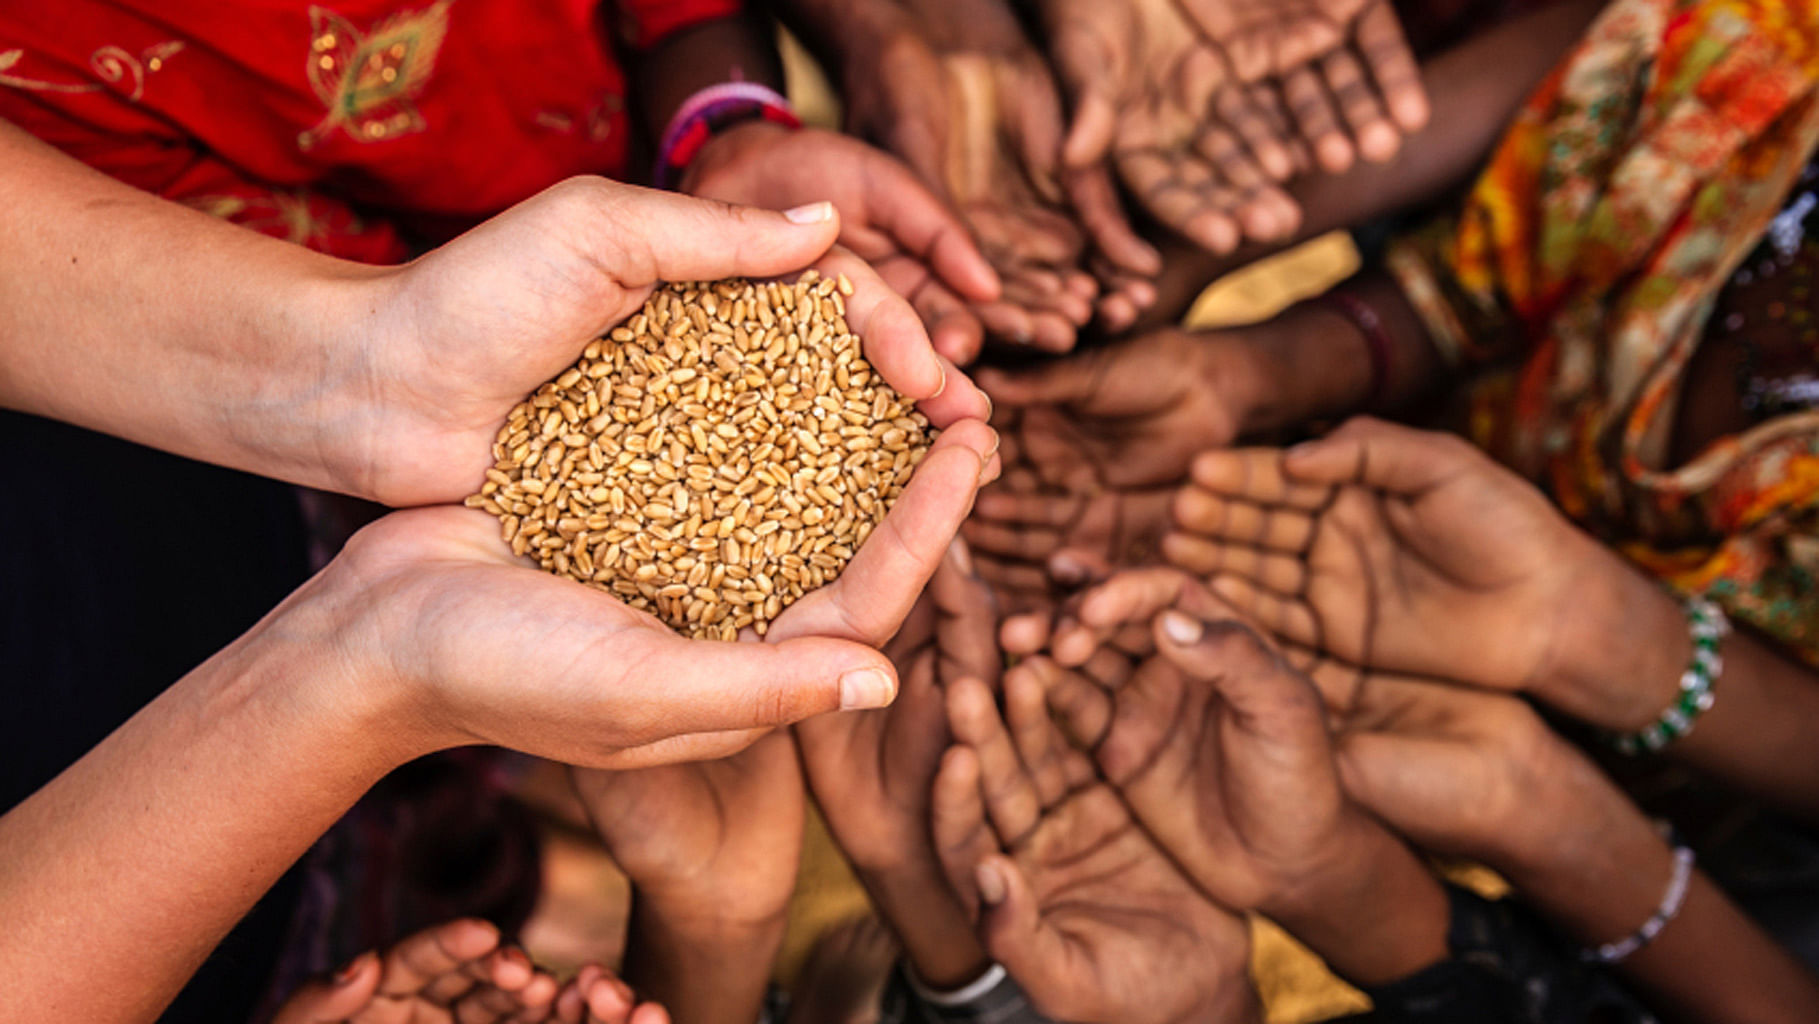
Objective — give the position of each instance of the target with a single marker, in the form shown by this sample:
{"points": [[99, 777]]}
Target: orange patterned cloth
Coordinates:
{"points": [[1588, 257]]}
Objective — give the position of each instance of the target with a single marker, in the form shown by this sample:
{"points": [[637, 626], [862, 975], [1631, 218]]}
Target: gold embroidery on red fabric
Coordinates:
{"points": [[111, 64], [368, 80]]}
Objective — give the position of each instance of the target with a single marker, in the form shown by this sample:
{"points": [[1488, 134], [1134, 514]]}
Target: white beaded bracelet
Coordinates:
{"points": [[1671, 900]]}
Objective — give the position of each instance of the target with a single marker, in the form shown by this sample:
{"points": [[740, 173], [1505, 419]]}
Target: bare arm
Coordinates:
{"points": [[138, 317]]}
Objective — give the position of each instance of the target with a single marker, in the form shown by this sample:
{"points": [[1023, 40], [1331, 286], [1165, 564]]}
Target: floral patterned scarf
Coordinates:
{"points": [[1589, 255]]}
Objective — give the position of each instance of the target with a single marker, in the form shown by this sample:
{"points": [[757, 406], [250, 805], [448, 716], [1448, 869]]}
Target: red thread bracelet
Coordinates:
{"points": [[1376, 340]]}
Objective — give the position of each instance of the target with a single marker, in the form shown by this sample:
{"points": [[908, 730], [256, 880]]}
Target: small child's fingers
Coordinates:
{"points": [[1083, 710], [1279, 573], [333, 999], [423, 959], [1384, 47], [1206, 514], [1181, 192], [1021, 543], [1026, 633], [1341, 685], [1011, 801], [1033, 732], [1257, 475], [1318, 119], [1053, 511], [1285, 617], [1376, 138]]}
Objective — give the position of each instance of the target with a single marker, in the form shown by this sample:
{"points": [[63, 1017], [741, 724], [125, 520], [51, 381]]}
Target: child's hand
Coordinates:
{"points": [[871, 771], [711, 849], [1396, 549], [1090, 918], [1221, 751], [714, 842], [460, 971]]}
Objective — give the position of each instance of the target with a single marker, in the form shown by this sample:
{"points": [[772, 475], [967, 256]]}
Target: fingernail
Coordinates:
{"points": [[866, 688], [961, 557], [813, 213], [941, 369], [1067, 570], [1182, 629], [991, 884], [346, 974]]}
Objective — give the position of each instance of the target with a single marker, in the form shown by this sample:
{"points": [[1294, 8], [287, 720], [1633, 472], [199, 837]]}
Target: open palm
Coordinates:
{"points": [[1082, 908], [1389, 548]]}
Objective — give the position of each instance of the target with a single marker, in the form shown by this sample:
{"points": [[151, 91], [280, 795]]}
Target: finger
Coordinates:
{"points": [[1087, 69], [1376, 138], [650, 235], [420, 960], [1094, 197], [1011, 801], [703, 746], [921, 223], [334, 999], [1033, 734], [1025, 634], [1035, 124], [1258, 476], [1250, 113], [1240, 520], [1083, 710], [1021, 589], [1050, 511], [966, 619], [880, 585], [960, 399], [1061, 381], [486, 1005], [1077, 567], [1386, 53], [894, 339], [1021, 543], [1318, 119], [1110, 669], [1247, 672], [649, 1013], [1281, 574], [1043, 291], [1285, 617], [1011, 920], [957, 823], [1182, 192], [1383, 456]]}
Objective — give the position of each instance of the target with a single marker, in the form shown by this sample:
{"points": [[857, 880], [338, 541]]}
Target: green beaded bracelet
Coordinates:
{"points": [[1707, 625]]}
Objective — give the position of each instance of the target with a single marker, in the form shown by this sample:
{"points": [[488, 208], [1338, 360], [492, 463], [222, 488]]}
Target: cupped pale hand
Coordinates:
{"points": [[455, 339], [480, 647]]}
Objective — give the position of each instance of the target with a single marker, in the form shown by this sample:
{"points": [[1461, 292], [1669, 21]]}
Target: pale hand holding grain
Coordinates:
{"points": [[721, 454]]}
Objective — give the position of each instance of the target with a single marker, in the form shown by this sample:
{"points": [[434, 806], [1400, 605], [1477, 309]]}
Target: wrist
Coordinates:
{"points": [[1621, 645], [938, 940], [1310, 363], [1372, 910]]}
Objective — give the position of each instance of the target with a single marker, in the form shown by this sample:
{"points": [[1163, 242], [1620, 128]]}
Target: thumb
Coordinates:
{"points": [[1063, 381], [709, 686], [1010, 919], [663, 236], [1271, 700], [1382, 456], [1086, 66], [336, 998]]}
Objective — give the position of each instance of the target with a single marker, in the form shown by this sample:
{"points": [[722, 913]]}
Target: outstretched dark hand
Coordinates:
{"points": [[1074, 899], [1389, 548]]}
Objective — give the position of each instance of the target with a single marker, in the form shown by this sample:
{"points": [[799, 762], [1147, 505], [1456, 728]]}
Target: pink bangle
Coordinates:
{"points": [[712, 110], [1376, 340]]}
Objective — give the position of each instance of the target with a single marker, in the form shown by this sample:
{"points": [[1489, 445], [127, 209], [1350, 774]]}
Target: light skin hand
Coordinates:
{"points": [[871, 772], [711, 849], [1077, 903], [1262, 823]]}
